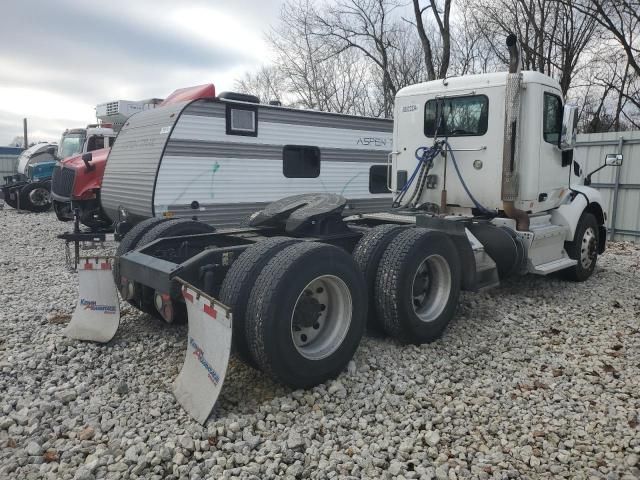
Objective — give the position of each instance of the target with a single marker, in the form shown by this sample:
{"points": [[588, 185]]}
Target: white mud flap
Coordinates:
{"points": [[208, 347], [97, 313]]}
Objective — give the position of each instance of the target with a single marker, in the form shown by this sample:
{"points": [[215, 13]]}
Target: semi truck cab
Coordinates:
{"points": [[469, 112]]}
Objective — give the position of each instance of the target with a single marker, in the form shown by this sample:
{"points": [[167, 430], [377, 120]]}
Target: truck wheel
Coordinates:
{"points": [[306, 314], [36, 197], [130, 241], [367, 254], [173, 228], [239, 281], [418, 285], [62, 210], [12, 202], [584, 249]]}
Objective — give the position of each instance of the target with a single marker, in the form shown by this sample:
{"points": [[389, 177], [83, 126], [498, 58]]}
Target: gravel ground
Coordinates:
{"points": [[539, 378]]}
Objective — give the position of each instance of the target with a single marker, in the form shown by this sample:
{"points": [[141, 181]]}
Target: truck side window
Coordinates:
{"points": [[95, 143], [378, 179], [299, 161], [552, 118], [463, 116]]}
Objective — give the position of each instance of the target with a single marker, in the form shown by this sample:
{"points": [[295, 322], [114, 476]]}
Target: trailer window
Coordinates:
{"points": [[242, 120], [300, 161], [552, 118], [459, 116], [378, 176]]}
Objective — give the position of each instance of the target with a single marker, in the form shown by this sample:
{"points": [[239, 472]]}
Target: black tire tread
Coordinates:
{"points": [[25, 202], [263, 298], [130, 241], [174, 227], [164, 230], [577, 273], [263, 294], [367, 254], [388, 284], [239, 281]]}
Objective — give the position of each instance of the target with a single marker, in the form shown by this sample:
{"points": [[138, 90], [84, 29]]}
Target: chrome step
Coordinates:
{"points": [[553, 266]]}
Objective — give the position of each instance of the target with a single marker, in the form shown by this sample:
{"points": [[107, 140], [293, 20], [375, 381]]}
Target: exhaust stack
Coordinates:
{"points": [[510, 152]]}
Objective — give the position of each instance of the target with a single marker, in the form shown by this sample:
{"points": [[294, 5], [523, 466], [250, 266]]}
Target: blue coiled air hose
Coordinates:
{"points": [[425, 160]]}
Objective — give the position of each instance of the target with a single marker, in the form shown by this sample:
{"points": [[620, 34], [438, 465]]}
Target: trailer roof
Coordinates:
{"points": [[293, 109]]}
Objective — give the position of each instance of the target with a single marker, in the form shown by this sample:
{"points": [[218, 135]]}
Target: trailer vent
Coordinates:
{"points": [[112, 108]]}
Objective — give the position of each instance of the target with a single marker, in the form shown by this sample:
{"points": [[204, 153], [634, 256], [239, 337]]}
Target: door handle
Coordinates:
{"points": [[483, 147]]}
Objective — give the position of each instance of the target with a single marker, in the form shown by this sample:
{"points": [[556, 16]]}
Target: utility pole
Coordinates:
{"points": [[26, 141]]}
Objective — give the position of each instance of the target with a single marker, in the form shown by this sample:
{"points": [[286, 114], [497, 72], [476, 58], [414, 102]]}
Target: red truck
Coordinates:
{"points": [[77, 179]]}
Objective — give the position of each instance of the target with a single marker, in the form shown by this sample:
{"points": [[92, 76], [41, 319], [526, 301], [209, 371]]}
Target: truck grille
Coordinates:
{"points": [[62, 181]]}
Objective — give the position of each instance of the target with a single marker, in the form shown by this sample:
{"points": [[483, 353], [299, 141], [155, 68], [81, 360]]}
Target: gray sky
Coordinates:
{"points": [[59, 58]]}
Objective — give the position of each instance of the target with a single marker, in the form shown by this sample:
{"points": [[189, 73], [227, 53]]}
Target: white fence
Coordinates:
{"points": [[620, 186]]}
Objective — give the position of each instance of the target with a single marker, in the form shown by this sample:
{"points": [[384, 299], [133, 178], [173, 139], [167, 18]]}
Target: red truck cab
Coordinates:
{"points": [[76, 184]]}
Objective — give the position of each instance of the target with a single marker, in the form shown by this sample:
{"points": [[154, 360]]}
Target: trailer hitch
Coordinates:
{"points": [[78, 237]]}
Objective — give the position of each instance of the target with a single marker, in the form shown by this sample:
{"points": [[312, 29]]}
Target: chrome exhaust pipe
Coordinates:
{"points": [[510, 151]]}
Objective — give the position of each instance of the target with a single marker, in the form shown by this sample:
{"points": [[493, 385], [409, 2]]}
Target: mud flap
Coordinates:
{"points": [[208, 347], [97, 313]]}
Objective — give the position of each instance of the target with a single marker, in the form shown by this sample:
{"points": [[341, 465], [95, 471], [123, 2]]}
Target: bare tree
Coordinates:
{"points": [[442, 19], [367, 26], [352, 56], [267, 83], [621, 18], [553, 35], [313, 73]]}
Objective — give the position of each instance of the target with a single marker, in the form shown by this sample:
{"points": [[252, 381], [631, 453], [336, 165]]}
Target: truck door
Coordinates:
{"points": [[553, 176]]}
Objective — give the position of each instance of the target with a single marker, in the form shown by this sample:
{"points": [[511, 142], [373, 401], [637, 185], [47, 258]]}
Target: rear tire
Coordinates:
{"points": [[174, 228], [283, 306], [130, 241], [13, 203], [418, 285], [239, 281], [584, 248], [367, 254], [36, 197], [63, 211]]}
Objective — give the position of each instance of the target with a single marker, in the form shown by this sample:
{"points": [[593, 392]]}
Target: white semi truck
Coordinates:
{"points": [[485, 188]]}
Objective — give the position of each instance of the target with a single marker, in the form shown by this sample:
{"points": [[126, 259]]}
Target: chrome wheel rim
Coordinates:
{"points": [[39, 197], [588, 248], [431, 288], [321, 317]]}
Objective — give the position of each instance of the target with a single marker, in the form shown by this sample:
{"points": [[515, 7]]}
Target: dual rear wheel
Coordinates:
{"points": [[300, 307], [413, 277]]}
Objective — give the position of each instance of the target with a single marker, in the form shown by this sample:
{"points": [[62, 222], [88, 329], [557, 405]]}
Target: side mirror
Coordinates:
{"points": [[613, 159], [610, 160], [87, 158], [569, 128]]}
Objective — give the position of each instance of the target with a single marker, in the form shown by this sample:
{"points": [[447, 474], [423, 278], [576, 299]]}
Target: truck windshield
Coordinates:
{"points": [[70, 144]]}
